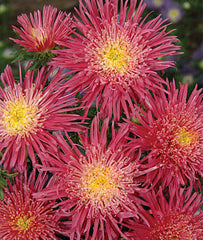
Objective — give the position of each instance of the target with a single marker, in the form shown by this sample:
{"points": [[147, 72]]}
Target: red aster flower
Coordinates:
{"points": [[41, 32], [179, 218], [117, 54], [28, 110], [23, 217], [171, 129], [97, 188]]}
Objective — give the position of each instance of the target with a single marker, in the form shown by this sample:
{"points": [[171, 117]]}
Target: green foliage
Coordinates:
{"points": [[3, 182], [37, 59]]}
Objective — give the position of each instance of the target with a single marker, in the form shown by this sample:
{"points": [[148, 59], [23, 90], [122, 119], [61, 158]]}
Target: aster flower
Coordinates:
{"points": [[155, 4], [23, 217], [180, 217], [172, 11], [98, 188], [29, 110], [116, 56], [170, 128], [42, 30]]}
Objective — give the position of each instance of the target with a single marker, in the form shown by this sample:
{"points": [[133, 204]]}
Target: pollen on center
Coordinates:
{"points": [[114, 56], [99, 183], [23, 223], [40, 35], [184, 137], [19, 117]]}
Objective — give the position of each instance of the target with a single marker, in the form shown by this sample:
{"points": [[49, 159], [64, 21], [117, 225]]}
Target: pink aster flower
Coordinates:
{"points": [[173, 11], [29, 110], [117, 55], [41, 31], [23, 217], [156, 4], [170, 128], [180, 217], [98, 188]]}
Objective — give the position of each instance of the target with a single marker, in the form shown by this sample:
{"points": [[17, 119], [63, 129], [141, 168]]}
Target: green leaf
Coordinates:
{"points": [[3, 182], [1, 194]]}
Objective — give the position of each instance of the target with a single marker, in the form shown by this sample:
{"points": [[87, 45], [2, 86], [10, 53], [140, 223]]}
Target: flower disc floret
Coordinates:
{"points": [[40, 36], [186, 138], [99, 183], [114, 57], [19, 115], [23, 223]]}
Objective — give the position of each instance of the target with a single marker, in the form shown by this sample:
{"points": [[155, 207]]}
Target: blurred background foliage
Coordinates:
{"points": [[186, 17]]}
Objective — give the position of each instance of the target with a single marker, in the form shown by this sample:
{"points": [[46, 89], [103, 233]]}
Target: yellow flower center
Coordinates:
{"points": [[19, 117], [184, 137], [99, 183], [23, 223], [158, 3], [174, 14], [40, 35], [115, 57]]}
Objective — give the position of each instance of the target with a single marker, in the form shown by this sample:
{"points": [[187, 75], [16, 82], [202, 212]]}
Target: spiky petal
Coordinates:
{"points": [[29, 111], [97, 188], [42, 30], [170, 128], [117, 55], [176, 215], [24, 217]]}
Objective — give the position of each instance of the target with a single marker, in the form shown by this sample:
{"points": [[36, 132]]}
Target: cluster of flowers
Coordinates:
{"points": [[135, 172]]}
